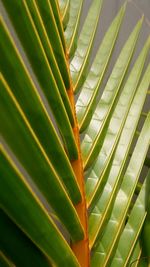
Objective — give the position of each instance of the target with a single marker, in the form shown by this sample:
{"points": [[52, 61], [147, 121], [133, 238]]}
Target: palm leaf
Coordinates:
{"points": [[55, 8], [41, 68], [62, 202], [72, 26], [50, 56], [101, 210], [116, 125], [79, 62], [26, 147], [87, 99], [23, 245], [64, 10], [106, 247], [33, 107], [132, 229], [22, 198], [4, 262], [93, 135]]}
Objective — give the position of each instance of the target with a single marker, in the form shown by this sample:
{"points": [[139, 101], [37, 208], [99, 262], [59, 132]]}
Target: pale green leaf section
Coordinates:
{"points": [[12, 237], [57, 17], [113, 178], [71, 31], [115, 127], [79, 63], [30, 40], [20, 203], [65, 11], [50, 56], [19, 136], [132, 229], [106, 247], [27, 96], [87, 99], [97, 127]]}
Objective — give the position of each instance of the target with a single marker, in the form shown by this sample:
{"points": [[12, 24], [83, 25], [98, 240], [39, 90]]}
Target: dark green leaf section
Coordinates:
{"points": [[86, 102], [57, 18], [112, 179], [25, 28], [146, 229], [4, 262], [53, 35], [50, 56], [80, 60], [99, 122], [71, 31], [133, 228], [115, 126], [32, 156], [136, 255], [20, 203], [107, 245], [19, 80], [65, 11], [18, 247]]}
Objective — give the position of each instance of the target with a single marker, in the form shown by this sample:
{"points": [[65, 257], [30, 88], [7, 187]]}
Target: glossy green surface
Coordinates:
{"points": [[50, 56], [31, 155], [31, 42], [79, 63], [27, 96], [132, 229], [135, 255], [71, 31], [115, 128], [12, 237], [94, 135], [19, 202], [106, 246], [54, 37], [56, 14], [113, 178], [145, 237], [86, 102]]}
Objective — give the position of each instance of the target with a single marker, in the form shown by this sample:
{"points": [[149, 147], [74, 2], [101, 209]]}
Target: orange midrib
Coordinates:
{"points": [[81, 248]]}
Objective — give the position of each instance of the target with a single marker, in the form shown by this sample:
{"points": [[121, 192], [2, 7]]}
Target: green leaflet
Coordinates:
{"points": [[32, 156], [87, 99], [65, 11], [4, 262], [98, 125], [101, 212], [55, 9], [71, 31], [80, 60], [106, 247], [26, 94], [25, 253], [53, 35], [50, 56], [20, 203], [135, 255], [146, 229], [132, 229], [118, 117], [30, 40]]}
